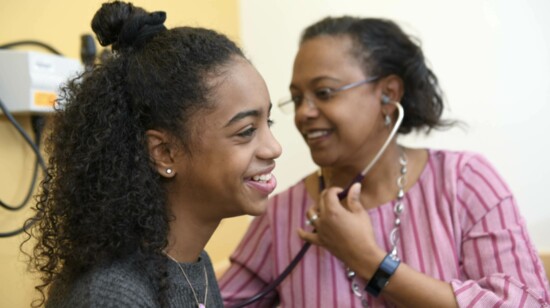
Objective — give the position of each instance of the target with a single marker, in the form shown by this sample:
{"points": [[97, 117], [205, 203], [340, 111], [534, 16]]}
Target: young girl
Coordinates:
{"points": [[148, 153]]}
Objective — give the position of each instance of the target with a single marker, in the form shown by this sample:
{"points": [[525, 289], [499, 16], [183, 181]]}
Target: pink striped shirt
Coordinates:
{"points": [[461, 224]]}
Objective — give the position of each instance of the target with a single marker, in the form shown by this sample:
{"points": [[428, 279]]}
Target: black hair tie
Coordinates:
{"points": [[138, 30]]}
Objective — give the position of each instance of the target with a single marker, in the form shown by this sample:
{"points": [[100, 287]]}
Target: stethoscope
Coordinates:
{"points": [[342, 195]]}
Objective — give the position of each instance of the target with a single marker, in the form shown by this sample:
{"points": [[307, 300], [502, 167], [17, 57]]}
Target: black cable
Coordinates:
{"points": [[30, 42], [27, 225], [23, 134], [38, 126], [39, 160]]}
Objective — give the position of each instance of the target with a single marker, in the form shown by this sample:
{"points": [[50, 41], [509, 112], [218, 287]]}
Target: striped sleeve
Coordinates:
{"points": [[499, 261], [250, 269]]}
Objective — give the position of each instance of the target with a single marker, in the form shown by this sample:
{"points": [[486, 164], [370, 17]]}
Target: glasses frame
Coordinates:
{"points": [[285, 101]]}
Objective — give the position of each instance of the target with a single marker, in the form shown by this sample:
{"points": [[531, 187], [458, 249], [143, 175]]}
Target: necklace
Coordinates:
{"points": [[394, 233], [199, 304]]}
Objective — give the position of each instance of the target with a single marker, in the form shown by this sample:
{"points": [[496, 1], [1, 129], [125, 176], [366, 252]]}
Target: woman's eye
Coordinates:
{"points": [[296, 99], [270, 122], [247, 133], [323, 94]]}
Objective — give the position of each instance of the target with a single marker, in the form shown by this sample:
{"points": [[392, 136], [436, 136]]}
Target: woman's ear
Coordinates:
{"points": [[393, 88], [161, 151], [392, 91]]}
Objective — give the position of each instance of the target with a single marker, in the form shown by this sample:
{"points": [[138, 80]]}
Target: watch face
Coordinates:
{"points": [[381, 277]]}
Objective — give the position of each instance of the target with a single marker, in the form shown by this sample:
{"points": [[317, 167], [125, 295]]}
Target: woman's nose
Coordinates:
{"points": [[307, 108]]}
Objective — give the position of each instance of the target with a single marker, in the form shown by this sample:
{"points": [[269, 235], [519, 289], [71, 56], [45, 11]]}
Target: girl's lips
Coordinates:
{"points": [[264, 187]]}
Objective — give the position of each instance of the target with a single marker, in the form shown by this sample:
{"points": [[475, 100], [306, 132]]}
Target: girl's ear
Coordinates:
{"points": [[162, 152]]}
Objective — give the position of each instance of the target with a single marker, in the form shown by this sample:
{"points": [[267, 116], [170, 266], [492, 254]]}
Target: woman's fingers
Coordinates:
{"points": [[354, 198], [329, 201], [309, 237]]}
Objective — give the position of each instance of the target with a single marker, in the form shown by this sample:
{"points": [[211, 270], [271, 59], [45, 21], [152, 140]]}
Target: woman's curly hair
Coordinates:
{"points": [[101, 198], [383, 49]]}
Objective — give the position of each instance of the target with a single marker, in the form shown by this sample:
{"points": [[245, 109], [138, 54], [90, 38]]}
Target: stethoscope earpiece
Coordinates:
{"points": [[385, 99]]}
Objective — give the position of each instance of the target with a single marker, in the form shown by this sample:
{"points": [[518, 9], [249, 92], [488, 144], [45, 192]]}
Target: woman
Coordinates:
{"points": [[148, 153], [423, 228]]}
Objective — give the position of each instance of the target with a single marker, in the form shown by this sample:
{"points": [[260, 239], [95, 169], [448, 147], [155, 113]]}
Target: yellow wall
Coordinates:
{"points": [[60, 23]]}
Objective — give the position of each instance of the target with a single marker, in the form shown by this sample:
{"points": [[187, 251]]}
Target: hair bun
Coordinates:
{"points": [[124, 25]]}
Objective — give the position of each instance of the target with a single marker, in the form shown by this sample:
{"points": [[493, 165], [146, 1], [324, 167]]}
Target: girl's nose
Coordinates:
{"points": [[271, 149]]}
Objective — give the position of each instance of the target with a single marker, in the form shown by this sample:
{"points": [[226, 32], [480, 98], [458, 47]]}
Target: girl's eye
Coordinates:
{"points": [[324, 94], [270, 122], [247, 133]]}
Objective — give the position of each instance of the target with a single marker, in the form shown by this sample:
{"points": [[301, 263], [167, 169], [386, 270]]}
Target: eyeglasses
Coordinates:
{"points": [[290, 105]]}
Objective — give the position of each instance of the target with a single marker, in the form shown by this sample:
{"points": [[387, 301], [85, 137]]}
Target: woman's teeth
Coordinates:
{"points": [[317, 134], [262, 177]]}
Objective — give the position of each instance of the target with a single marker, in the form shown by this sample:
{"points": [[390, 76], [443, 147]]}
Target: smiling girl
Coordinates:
{"points": [[149, 152]]}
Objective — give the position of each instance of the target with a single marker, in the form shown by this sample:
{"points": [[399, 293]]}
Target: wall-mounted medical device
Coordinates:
{"points": [[30, 81]]}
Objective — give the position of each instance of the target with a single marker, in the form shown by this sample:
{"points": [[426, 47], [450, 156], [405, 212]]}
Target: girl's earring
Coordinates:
{"points": [[169, 171]]}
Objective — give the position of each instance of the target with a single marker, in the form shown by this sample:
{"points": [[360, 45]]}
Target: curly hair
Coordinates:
{"points": [[101, 199], [383, 49]]}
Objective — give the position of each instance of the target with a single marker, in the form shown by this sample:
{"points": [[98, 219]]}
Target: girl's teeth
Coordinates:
{"points": [[262, 177]]}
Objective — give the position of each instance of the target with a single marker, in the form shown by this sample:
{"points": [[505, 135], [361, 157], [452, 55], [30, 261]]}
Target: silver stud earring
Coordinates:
{"points": [[385, 99], [168, 171]]}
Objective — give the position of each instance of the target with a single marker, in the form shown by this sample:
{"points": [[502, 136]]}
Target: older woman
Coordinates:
{"points": [[420, 228]]}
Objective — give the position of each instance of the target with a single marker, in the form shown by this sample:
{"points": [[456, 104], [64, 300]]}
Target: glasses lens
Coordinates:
{"points": [[286, 105]]}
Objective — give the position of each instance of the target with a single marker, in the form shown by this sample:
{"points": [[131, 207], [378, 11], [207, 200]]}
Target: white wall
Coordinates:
{"points": [[491, 56]]}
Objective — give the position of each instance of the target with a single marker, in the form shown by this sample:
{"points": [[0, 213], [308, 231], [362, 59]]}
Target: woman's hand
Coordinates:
{"points": [[344, 229]]}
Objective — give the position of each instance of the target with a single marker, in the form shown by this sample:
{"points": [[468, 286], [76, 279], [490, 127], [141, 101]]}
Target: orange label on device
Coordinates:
{"points": [[44, 99]]}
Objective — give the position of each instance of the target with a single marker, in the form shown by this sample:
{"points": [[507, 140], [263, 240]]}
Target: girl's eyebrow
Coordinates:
{"points": [[247, 113], [242, 115]]}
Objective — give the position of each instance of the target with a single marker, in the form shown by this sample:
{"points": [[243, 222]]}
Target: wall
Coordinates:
{"points": [[60, 23], [492, 58]]}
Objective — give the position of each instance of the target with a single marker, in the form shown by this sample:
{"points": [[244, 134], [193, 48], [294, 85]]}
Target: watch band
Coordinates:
{"points": [[382, 275]]}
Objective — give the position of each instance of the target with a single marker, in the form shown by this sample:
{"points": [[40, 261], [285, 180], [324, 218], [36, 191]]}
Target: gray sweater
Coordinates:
{"points": [[122, 285]]}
